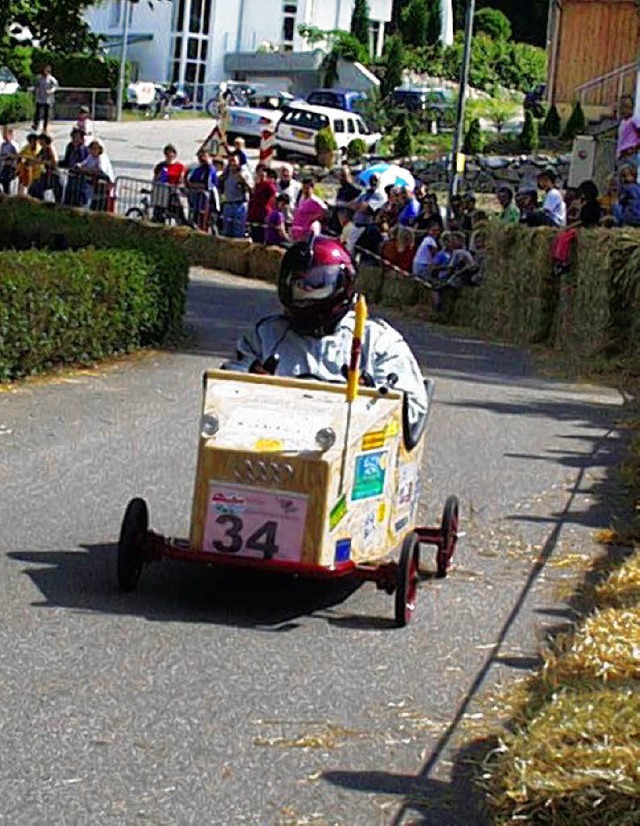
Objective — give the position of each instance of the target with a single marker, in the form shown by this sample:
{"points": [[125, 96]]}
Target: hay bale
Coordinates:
{"points": [[234, 255], [369, 281], [264, 262], [398, 292]]}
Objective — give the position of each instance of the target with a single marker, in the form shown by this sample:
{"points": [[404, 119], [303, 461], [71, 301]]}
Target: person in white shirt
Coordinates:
{"points": [[349, 233], [428, 249], [45, 90], [553, 207], [287, 185], [99, 176]]}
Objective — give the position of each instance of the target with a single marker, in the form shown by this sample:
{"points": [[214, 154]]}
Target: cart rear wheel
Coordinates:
{"points": [[408, 578], [131, 544], [448, 535]]}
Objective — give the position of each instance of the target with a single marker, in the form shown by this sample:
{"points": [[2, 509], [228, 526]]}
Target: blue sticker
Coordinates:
{"points": [[343, 550], [400, 524], [370, 472]]}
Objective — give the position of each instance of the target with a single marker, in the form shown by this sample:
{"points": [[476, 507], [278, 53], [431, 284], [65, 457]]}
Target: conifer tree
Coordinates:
{"points": [[395, 65], [360, 22]]}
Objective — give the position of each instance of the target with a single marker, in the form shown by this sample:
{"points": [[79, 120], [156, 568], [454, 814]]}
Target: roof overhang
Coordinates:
{"points": [[274, 62]]}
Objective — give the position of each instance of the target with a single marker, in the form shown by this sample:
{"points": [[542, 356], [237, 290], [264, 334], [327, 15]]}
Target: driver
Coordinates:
{"points": [[314, 333]]}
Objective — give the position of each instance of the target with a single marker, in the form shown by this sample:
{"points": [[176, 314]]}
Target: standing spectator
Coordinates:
{"points": [[288, 185], [510, 213], [74, 154], [236, 189], [309, 214], [554, 209], [240, 151], [366, 205], [84, 122], [469, 213], [275, 233], [370, 241], [261, 202], [168, 176], [8, 159], [347, 239], [409, 208], [628, 131], [98, 177], [202, 190], [428, 249], [590, 211], [49, 178], [28, 167], [347, 191], [627, 210], [45, 92]]}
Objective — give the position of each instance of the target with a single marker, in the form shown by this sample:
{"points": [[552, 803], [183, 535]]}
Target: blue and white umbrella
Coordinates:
{"points": [[388, 173]]}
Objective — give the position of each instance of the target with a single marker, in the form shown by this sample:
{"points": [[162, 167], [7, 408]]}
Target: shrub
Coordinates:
{"points": [[529, 135], [61, 307], [16, 108], [325, 141], [473, 139], [404, 145], [80, 70], [551, 126], [494, 23], [356, 149], [394, 64], [576, 124], [25, 224]]}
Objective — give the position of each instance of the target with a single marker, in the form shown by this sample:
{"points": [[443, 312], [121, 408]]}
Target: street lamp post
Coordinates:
{"points": [[128, 8], [464, 81]]}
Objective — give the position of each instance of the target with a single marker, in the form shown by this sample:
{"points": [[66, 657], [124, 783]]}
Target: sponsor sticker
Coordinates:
{"points": [[370, 474], [343, 550], [338, 512]]}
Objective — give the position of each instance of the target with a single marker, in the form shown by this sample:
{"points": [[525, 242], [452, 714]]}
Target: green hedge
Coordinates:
{"points": [[61, 307], [25, 224], [16, 108], [78, 70]]}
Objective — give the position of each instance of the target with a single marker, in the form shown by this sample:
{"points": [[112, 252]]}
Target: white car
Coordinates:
{"points": [[8, 82], [297, 129], [262, 111]]}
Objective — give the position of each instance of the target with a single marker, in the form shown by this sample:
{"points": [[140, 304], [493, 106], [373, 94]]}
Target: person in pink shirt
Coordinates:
{"points": [[309, 213], [628, 131]]}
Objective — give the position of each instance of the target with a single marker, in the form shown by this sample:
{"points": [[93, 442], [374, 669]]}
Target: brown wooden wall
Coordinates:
{"points": [[594, 37]]}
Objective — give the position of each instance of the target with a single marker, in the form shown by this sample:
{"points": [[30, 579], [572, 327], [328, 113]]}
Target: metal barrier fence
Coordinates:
{"points": [[68, 99], [193, 205]]}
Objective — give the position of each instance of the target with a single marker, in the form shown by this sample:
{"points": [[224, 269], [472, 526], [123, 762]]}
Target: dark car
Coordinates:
{"points": [[436, 101], [347, 99]]}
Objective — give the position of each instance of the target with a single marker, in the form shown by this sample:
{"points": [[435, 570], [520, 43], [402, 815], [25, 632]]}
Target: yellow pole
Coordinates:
{"points": [[353, 375]]}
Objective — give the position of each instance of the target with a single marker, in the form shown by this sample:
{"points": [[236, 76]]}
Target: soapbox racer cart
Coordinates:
{"points": [[287, 482]]}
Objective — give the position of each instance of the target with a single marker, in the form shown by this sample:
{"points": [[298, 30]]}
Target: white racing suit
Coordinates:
{"points": [[384, 352]]}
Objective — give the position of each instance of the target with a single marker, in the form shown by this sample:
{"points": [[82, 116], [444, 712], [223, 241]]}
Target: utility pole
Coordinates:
{"points": [[128, 8], [458, 137]]}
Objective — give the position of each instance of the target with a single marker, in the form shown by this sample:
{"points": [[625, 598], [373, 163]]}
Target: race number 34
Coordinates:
{"points": [[255, 522], [263, 539]]}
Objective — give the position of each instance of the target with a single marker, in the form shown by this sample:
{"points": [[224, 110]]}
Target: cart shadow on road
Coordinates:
{"points": [[174, 592]]}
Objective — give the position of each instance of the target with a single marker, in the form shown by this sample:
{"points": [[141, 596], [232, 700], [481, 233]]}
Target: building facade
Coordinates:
{"points": [[185, 41]]}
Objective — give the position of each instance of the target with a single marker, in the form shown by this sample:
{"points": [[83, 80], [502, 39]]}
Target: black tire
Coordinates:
{"points": [[135, 214], [408, 579], [133, 533], [448, 535]]}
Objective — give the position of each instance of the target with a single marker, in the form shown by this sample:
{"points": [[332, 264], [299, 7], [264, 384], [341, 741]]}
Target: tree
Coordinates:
{"points": [[529, 135], [415, 23], [494, 23], [434, 26], [394, 65], [576, 123], [528, 20], [360, 22], [473, 139], [551, 125]]}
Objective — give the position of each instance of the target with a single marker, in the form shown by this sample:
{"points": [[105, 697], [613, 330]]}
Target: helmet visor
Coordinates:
{"points": [[317, 284]]}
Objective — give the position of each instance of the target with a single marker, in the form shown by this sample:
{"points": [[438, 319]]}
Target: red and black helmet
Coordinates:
{"points": [[316, 285]]}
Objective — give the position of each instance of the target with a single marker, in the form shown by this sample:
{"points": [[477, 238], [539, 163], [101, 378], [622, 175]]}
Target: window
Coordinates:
{"points": [[289, 12], [338, 126], [362, 129], [351, 127], [307, 120]]}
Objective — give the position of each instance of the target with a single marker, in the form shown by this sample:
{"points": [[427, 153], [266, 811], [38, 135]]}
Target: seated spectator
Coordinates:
{"points": [[261, 202], [527, 204], [627, 211], [202, 191], [8, 159], [84, 122], [28, 168], [98, 176], [462, 267], [456, 211], [590, 211], [309, 213], [572, 205], [399, 250], [409, 207], [510, 213], [49, 178], [348, 232], [428, 249], [554, 210], [236, 188], [275, 232], [168, 176]]}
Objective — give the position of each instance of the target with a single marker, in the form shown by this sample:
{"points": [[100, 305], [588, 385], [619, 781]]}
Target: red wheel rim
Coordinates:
{"points": [[412, 587]]}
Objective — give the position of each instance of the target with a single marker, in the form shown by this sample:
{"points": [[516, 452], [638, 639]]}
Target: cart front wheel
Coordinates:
{"points": [[408, 578], [448, 535], [131, 544]]}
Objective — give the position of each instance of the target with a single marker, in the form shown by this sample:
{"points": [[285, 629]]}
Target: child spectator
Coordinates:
{"points": [[590, 211], [28, 168], [84, 122], [275, 232], [8, 159], [510, 213], [554, 209], [628, 131], [428, 249], [168, 175], [260, 203], [309, 214], [627, 210]]}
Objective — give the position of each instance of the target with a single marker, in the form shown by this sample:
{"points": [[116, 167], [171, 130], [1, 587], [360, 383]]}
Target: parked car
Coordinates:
{"points": [[433, 101], [263, 110], [298, 126], [348, 99], [8, 82]]}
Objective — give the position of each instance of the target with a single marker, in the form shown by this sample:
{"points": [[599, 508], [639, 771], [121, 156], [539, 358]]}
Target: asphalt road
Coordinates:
{"points": [[204, 699]]}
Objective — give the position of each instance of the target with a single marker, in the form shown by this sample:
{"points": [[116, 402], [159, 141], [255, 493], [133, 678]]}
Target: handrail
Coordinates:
{"points": [[592, 84]]}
